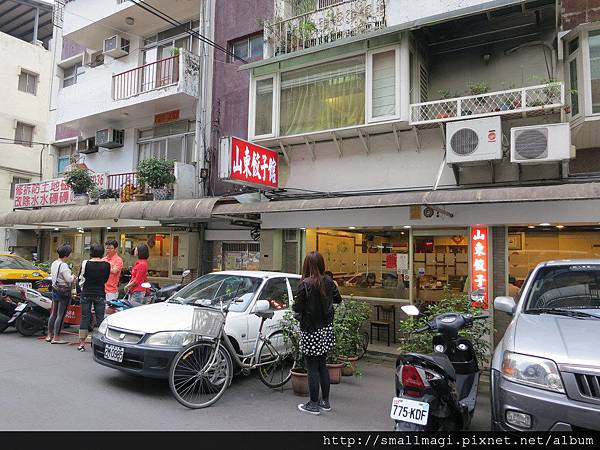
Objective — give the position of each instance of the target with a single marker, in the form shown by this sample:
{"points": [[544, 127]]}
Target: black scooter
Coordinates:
{"points": [[10, 297], [438, 391], [161, 294]]}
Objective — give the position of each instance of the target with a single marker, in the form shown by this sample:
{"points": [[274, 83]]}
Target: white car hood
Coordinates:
{"points": [[156, 317]]}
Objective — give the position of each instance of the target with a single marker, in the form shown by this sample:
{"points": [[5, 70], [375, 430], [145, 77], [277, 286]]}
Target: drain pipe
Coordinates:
{"points": [[536, 43]]}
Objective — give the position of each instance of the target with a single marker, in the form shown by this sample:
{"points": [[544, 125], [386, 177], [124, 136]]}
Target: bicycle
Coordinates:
{"points": [[201, 372]]}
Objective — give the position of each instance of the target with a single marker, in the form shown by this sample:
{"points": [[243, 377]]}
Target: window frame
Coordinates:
{"points": [[13, 184], [266, 286], [275, 107], [570, 57], [21, 141], [28, 74], [584, 47], [369, 118], [245, 39], [78, 65]]}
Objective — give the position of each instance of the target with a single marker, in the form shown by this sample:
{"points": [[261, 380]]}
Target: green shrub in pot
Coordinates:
{"points": [[79, 180], [349, 318], [156, 173]]}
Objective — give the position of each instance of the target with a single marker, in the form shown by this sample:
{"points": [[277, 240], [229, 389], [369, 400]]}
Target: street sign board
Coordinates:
{"points": [[243, 162], [479, 265]]}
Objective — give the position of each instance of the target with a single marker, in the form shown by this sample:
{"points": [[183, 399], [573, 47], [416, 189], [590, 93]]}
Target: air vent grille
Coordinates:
{"points": [[532, 143], [464, 142]]}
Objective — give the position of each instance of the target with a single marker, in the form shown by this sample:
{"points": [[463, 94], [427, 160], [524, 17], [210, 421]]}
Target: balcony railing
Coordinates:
{"points": [[329, 21], [148, 77], [513, 101]]}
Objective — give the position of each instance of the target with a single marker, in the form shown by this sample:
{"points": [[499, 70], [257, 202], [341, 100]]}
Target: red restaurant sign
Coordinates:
{"points": [[50, 193], [245, 163], [479, 264]]}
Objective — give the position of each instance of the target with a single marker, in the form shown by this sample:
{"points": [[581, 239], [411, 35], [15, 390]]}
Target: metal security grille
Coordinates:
{"points": [[423, 83], [241, 247], [464, 142], [532, 144]]}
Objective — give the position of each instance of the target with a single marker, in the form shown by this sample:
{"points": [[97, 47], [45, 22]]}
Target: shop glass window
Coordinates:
{"points": [[28, 82], [594, 44], [327, 96], [383, 88], [371, 263], [70, 74], [24, 134], [263, 110], [238, 255], [276, 293], [159, 245], [15, 181]]}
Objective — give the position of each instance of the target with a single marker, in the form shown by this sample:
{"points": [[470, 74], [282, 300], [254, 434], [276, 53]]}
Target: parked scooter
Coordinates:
{"points": [[10, 297], [438, 392], [162, 294], [31, 316]]}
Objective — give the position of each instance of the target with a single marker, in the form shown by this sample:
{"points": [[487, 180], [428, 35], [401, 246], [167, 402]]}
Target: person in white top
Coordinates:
{"points": [[62, 281]]}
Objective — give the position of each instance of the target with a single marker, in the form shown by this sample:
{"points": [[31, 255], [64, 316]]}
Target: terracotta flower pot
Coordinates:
{"points": [[335, 373], [349, 366], [300, 382]]}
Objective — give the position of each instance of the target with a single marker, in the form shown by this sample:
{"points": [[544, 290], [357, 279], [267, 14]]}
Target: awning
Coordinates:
{"points": [[581, 191], [164, 211]]}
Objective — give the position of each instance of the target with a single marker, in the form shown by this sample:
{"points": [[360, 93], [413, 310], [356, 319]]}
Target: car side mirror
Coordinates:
{"points": [[505, 304], [261, 306], [185, 273]]}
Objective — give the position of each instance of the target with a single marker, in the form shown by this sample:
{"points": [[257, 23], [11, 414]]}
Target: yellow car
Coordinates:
{"points": [[20, 272]]}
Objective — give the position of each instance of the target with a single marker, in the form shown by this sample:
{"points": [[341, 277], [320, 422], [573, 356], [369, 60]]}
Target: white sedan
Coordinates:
{"points": [[144, 340]]}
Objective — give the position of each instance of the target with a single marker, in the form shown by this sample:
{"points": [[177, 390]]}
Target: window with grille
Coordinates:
{"points": [[14, 182], [28, 82], [24, 134], [423, 83]]}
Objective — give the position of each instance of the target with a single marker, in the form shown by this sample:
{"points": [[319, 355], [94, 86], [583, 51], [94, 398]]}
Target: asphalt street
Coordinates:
{"points": [[57, 388]]}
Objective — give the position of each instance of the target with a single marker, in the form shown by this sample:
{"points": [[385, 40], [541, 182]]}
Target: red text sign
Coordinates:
{"points": [[166, 117], [50, 193], [245, 163], [479, 265]]}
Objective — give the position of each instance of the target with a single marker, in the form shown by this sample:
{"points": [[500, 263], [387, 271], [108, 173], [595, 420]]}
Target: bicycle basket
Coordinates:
{"points": [[207, 322]]}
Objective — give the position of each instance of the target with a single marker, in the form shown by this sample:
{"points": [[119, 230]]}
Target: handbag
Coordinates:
{"points": [[61, 289]]}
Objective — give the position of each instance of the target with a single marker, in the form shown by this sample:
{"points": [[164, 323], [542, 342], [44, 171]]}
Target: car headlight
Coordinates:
{"points": [[171, 339], [532, 371], [103, 327]]}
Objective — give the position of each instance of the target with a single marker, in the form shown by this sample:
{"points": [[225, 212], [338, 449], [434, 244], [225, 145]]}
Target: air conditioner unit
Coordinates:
{"points": [[109, 138], [93, 59], [541, 143], [474, 141], [87, 146], [116, 46]]}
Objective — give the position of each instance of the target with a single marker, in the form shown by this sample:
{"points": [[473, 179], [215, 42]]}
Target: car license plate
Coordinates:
{"points": [[114, 353], [23, 285], [409, 411], [21, 307]]}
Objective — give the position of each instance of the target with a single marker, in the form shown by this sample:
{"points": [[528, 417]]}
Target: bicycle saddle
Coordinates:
{"points": [[265, 314]]}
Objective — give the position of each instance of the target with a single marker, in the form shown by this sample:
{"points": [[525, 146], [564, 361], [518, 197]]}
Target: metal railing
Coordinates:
{"points": [[329, 21], [521, 100], [146, 78]]}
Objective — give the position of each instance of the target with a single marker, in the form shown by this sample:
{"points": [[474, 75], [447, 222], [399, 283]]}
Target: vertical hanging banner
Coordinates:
{"points": [[479, 266], [243, 162]]}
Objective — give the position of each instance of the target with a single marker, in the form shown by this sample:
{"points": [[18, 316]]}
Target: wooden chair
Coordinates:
{"points": [[386, 319]]}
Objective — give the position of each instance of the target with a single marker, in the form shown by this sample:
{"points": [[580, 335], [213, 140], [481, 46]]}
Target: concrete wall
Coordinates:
{"points": [[575, 12], [79, 13], [230, 85]]}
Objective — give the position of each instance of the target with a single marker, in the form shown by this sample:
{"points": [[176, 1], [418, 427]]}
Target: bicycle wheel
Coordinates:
{"points": [[197, 378], [275, 360]]}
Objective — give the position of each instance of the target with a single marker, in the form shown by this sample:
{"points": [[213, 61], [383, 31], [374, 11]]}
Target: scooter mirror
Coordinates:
{"points": [[146, 285], [410, 310], [185, 273]]}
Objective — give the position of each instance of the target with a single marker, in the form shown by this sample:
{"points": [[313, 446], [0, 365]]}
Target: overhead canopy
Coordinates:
{"points": [[165, 211], [583, 191], [26, 19]]}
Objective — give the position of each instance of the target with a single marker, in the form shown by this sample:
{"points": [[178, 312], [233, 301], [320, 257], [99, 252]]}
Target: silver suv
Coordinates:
{"points": [[546, 369]]}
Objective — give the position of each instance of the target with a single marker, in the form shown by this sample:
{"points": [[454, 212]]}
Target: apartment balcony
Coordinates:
{"points": [[131, 96], [521, 102], [330, 20]]}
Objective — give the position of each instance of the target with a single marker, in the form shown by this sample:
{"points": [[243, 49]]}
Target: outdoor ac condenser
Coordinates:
{"points": [[541, 143], [109, 138], [475, 141], [116, 46], [87, 146]]}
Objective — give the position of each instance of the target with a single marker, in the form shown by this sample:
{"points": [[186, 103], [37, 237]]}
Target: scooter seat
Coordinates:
{"points": [[443, 363]]}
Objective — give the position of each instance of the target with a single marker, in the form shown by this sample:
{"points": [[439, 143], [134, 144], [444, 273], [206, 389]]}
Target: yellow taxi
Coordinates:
{"points": [[20, 272]]}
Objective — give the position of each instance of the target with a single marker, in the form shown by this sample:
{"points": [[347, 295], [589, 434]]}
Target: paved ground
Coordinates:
{"points": [[54, 387]]}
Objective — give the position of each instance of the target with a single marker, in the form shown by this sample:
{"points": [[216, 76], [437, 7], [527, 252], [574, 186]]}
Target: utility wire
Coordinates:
{"points": [[162, 15], [20, 142]]}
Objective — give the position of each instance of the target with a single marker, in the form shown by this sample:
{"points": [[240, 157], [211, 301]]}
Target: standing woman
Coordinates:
{"points": [[314, 303], [62, 280], [93, 276], [139, 274]]}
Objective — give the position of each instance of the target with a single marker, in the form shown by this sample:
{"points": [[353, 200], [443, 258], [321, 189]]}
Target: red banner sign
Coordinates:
{"points": [[166, 117], [245, 163], [50, 193], [479, 265]]}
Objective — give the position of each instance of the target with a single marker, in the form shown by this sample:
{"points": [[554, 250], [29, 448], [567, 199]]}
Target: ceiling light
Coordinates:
{"points": [[544, 224], [531, 226], [141, 228], [352, 228], [129, 20], [406, 226], [560, 227], [108, 228], [56, 229]]}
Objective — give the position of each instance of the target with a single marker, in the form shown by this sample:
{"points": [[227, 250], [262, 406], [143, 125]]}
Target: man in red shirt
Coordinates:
{"points": [[116, 265]]}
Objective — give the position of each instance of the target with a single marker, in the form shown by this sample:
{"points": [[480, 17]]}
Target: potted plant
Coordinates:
{"points": [[445, 94], [348, 321], [479, 89], [108, 196], [157, 174], [94, 195], [80, 182], [334, 365], [291, 335]]}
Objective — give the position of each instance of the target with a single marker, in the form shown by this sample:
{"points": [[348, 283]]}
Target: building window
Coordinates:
{"points": [[163, 44], [573, 82], [169, 142], [383, 70], [248, 47], [263, 110], [65, 154], [15, 181], [594, 44], [28, 82], [327, 96], [24, 134], [70, 74]]}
